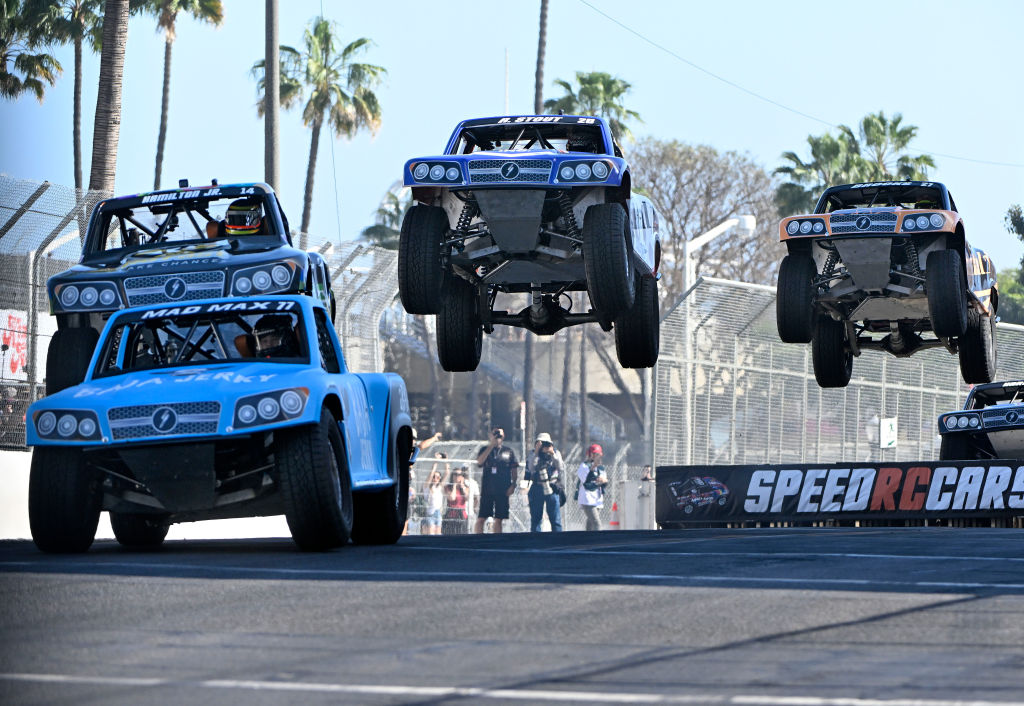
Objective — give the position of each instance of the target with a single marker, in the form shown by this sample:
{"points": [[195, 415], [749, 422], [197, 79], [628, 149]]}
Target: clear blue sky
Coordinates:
{"points": [[951, 68]]}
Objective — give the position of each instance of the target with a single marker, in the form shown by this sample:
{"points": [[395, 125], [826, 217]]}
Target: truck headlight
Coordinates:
{"points": [[270, 407]]}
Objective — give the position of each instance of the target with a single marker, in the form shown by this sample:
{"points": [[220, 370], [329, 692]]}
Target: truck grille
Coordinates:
{"points": [[142, 421], [167, 289], [489, 171]]}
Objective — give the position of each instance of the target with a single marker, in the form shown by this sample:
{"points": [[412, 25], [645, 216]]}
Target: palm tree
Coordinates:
{"points": [[22, 30], [107, 125], [599, 94], [340, 92], [75, 21], [166, 11], [385, 231], [885, 142]]}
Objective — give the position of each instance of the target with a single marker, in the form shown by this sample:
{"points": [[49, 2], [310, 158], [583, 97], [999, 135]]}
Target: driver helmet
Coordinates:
{"points": [[244, 217], [275, 337]]}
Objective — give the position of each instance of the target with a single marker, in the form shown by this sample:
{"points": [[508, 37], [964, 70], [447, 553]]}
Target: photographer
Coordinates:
{"points": [[592, 481], [498, 481], [545, 471]]}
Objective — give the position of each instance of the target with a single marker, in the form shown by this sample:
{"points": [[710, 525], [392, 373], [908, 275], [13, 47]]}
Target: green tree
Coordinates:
{"points": [[340, 92], [879, 153], [599, 94], [1015, 225], [167, 11], [1011, 296], [23, 30], [78, 22], [107, 123], [388, 219]]}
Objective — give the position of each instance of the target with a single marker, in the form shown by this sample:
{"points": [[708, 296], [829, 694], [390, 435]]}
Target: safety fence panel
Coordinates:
{"points": [[729, 392]]}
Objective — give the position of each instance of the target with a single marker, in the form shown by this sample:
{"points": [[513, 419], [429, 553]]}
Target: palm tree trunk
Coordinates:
{"points": [[162, 135], [538, 83], [107, 125], [76, 130], [307, 196]]}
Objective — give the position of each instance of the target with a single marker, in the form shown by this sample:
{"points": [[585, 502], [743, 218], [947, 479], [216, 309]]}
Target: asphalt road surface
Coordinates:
{"points": [[789, 617]]}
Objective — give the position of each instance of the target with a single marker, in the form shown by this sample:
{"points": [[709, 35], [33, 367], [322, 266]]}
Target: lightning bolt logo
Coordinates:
{"points": [[164, 419]]}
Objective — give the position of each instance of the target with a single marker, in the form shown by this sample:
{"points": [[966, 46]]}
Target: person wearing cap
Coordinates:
{"points": [[498, 481], [592, 481], [544, 470]]}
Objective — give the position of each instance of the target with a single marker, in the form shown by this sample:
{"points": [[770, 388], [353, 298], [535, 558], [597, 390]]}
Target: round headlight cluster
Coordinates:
{"points": [[69, 295], [67, 425], [247, 413], [962, 421], [46, 423], [567, 173], [437, 172], [107, 297], [268, 408], [936, 220], [243, 285], [805, 227], [793, 227], [291, 402], [818, 227], [87, 427], [261, 279], [90, 296], [421, 171], [583, 171], [909, 224], [600, 170], [452, 174], [281, 275], [922, 221]]}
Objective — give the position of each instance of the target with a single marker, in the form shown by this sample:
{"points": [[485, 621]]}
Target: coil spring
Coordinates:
{"points": [[570, 218], [913, 259], [830, 263], [469, 211]]}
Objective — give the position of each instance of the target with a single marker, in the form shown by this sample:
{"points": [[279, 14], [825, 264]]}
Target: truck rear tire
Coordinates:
{"points": [[138, 530], [638, 330], [380, 516], [459, 329], [832, 358], [978, 348]]}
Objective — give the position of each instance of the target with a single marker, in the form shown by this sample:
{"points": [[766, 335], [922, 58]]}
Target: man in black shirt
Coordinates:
{"points": [[498, 481]]}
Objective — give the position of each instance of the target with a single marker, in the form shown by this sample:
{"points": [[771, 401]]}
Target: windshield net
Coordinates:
{"points": [[154, 220], [528, 137], [167, 338]]}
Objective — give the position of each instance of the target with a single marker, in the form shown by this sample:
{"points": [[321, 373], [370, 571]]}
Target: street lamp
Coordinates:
{"points": [[745, 225]]}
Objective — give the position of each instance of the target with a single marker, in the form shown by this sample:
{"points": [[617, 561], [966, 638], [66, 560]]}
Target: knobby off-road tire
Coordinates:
{"points": [[608, 259], [380, 516], [794, 303], [138, 530], [315, 484], [832, 358], [420, 273], [64, 500], [978, 348], [638, 330], [956, 447], [68, 356], [460, 333], [947, 292]]}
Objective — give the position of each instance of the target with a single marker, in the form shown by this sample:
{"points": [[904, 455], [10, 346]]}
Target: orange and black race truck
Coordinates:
{"points": [[886, 265]]}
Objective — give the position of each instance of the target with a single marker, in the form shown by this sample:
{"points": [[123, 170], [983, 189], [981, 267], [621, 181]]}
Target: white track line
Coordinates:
{"points": [[485, 693], [385, 574]]}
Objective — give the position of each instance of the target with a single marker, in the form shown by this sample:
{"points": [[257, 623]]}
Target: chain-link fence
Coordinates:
{"points": [[729, 392]]}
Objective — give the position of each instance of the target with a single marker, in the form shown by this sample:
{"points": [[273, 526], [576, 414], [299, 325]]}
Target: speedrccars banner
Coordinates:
{"points": [[850, 491]]}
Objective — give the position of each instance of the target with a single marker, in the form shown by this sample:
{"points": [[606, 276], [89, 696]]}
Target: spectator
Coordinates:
{"points": [[592, 481], [455, 517], [417, 503], [433, 496], [472, 492], [646, 482], [545, 471], [498, 482]]}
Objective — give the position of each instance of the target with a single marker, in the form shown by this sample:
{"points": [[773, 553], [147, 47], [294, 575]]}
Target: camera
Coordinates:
{"points": [[545, 461], [498, 434]]}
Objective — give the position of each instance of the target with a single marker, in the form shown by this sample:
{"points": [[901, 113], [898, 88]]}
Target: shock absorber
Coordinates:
{"points": [[913, 259], [567, 214], [830, 262], [469, 211]]}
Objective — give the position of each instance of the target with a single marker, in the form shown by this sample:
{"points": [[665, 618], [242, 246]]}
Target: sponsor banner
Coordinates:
{"points": [[851, 491]]}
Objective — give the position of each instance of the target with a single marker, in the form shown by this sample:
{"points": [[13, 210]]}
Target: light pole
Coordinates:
{"points": [[746, 225]]}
